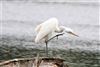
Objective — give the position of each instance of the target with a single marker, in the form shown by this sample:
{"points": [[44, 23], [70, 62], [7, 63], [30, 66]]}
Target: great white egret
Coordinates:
{"points": [[49, 30]]}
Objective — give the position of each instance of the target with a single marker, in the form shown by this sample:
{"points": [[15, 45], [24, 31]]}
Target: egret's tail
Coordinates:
{"points": [[37, 29]]}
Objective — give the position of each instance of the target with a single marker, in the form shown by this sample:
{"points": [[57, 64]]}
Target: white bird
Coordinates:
{"points": [[49, 30]]}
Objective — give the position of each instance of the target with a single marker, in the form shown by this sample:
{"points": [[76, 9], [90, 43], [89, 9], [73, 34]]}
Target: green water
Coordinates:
{"points": [[11, 48], [72, 58]]}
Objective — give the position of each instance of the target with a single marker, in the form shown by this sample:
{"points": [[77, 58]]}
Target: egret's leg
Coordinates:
{"points": [[46, 48], [57, 37]]}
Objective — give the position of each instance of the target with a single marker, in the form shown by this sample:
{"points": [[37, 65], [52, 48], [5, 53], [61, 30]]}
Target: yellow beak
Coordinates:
{"points": [[73, 34]]}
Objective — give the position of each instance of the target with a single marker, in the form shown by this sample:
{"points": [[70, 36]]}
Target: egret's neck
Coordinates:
{"points": [[61, 29], [65, 29]]}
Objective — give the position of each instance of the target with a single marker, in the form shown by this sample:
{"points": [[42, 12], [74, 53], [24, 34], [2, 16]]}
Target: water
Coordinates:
{"points": [[19, 20], [84, 19]]}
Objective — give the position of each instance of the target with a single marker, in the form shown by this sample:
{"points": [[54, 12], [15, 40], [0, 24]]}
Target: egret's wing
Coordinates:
{"points": [[41, 35], [45, 29], [37, 29]]}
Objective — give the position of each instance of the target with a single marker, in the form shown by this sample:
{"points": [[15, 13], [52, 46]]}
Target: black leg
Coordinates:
{"points": [[57, 37], [46, 48]]}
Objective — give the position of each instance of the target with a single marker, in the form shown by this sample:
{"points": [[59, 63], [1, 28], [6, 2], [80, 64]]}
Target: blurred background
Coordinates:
{"points": [[18, 18]]}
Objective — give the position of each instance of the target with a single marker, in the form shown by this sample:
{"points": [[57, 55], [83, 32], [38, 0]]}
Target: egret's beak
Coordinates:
{"points": [[73, 34]]}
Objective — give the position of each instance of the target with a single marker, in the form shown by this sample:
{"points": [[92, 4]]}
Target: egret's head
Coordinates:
{"points": [[67, 30]]}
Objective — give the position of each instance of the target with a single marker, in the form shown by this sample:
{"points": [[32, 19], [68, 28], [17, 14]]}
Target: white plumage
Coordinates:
{"points": [[50, 29], [46, 29]]}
